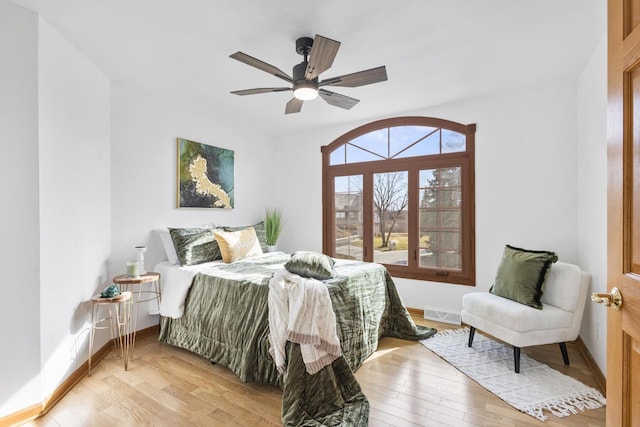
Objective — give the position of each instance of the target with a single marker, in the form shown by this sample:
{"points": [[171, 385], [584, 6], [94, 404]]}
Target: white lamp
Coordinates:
{"points": [[305, 91]]}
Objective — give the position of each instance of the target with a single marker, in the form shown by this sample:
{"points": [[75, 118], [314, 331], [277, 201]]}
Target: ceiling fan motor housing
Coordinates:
{"points": [[299, 71], [303, 47]]}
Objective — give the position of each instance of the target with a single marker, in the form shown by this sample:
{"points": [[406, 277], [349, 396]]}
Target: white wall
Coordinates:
{"points": [[592, 195], [144, 167], [75, 202], [54, 110], [19, 251], [526, 182]]}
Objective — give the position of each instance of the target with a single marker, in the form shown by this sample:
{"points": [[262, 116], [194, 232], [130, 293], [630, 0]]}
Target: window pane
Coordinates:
{"points": [[432, 238], [432, 258], [450, 219], [427, 176], [429, 199], [357, 155], [440, 216], [348, 222], [450, 240], [433, 180], [450, 177], [401, 137], [453, 142], [376, 142], [428, 219], [337, 156], [390, 200], [428, 258], [450, 259], [425, 147], [450, 198]]}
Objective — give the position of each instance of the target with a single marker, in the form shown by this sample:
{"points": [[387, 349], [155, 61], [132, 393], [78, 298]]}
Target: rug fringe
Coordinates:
{"points": [[536, 412], [568, 406]]}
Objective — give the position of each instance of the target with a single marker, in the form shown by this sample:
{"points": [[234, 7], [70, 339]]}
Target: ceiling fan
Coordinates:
{"points": [[318, 54]]}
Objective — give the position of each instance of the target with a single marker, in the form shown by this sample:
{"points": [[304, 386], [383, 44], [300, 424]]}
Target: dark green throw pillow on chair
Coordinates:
{"points": [[522, 275]]}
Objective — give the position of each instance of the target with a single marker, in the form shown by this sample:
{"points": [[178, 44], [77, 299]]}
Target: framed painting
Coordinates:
{"points": [[205, 176]]}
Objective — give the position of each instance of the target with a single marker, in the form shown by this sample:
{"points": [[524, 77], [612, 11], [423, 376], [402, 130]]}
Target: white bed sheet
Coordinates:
{"points": [[176, 281]]}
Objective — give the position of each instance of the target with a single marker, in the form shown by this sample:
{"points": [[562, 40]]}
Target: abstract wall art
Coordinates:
{"points": [[205, 176]]}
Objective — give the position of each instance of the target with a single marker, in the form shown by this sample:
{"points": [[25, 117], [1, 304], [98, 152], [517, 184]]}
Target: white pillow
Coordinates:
{"points": [[167, 243]]}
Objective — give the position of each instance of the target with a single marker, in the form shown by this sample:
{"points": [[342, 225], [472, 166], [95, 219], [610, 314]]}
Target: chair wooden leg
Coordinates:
{"points": [[516, 358], [565, 355], [472, 332]]}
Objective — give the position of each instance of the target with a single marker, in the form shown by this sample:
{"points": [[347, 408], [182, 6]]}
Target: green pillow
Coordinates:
{"points": [[522, 275], [195, 245], [260, 233], [311, 264]]}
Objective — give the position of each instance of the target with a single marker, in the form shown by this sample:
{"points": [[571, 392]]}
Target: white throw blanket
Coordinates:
{"points": [[300, 311]]}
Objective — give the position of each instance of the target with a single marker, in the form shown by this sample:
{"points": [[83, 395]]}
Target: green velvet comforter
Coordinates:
{"points": [[226, 321]]}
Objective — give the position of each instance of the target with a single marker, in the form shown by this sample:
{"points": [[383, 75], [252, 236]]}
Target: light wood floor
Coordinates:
{"points": [[406, 384]]}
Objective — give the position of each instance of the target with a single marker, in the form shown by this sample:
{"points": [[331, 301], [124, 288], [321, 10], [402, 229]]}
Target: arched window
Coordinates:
{"points": [[400, 192]]}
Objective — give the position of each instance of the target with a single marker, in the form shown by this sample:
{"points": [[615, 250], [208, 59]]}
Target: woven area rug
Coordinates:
{"points": [[536, 388]]}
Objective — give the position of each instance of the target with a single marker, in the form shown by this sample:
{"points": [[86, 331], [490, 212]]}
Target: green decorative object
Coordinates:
{"points": [[273, 226], [110, 292]]}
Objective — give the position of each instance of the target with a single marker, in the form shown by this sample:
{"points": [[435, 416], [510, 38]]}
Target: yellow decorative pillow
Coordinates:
{"points": [[236, 245]]}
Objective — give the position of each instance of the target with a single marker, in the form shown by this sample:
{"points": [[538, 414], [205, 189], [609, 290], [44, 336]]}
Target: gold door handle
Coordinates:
{"points": [[614, 299]]}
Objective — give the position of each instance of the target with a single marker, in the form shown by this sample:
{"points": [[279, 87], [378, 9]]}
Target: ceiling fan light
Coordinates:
{"points": [[305, 93]]}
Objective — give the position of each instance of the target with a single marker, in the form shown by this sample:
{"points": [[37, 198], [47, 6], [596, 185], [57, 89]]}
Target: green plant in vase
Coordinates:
{"points": [[272, 228]]}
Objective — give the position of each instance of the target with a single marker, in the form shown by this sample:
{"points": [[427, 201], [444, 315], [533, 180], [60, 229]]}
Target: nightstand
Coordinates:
{"points": [[119, 309], [136, 286]]}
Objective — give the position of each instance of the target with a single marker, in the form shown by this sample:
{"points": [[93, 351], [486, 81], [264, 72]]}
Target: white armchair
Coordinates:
{"points": [[563, 302]]}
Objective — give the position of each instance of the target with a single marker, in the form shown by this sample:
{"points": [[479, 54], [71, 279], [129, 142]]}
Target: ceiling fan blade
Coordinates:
{"points": [[337, 99], [260, 90], [322, 54], [361, 78], [261, 65], [294, 106]]}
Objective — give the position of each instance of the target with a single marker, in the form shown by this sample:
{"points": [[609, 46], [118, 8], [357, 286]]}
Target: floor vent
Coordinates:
{"points": [[442, 316]]}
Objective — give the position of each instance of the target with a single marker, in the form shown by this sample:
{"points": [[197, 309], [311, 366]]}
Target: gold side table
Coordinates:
{"points": [[119, 309], [135, 286]]}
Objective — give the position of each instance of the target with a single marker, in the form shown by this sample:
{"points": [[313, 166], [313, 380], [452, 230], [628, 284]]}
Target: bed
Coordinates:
{"points": [[224, 318]]}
